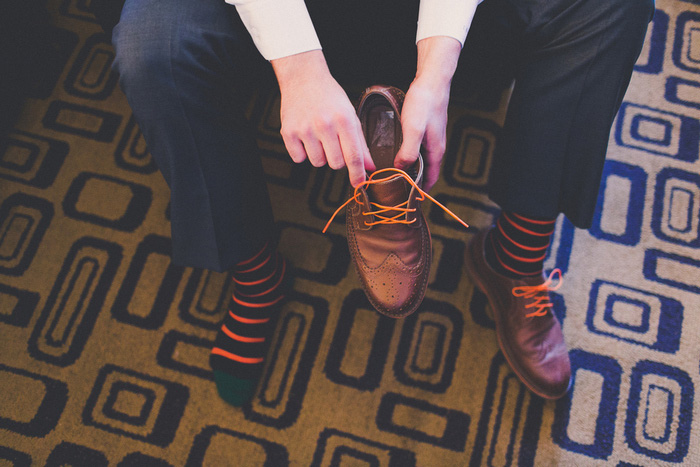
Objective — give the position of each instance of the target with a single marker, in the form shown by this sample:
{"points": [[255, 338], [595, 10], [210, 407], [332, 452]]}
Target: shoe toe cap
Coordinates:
{"points": [[394, 291], [552, 377]]}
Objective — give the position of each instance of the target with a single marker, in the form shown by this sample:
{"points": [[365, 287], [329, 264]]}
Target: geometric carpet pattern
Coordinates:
{"points": [[104, 343]]}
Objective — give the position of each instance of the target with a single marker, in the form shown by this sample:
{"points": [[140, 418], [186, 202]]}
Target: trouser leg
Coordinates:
{"points": [[573, 64], [182, 66]]}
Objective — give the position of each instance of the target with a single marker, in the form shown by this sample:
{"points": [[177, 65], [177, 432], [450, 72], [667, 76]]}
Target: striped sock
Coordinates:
{"points": [[517, 245], [242, 342]]}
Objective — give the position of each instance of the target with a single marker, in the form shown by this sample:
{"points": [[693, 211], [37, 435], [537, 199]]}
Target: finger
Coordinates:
{"points": [[334, 154], [355, 153], [434, 146], [329, 139], [369, 164], [432, 174], [314, 151], [296, 150]]}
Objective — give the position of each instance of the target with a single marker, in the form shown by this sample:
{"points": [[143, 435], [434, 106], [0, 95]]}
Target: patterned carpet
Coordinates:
{"points": [[104, 343]]}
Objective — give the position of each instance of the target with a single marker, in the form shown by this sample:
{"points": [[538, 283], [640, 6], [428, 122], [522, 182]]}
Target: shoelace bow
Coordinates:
{"points": [[540, 301], [402, 208]]}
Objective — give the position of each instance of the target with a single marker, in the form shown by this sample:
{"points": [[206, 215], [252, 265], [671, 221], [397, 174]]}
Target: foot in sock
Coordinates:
{"points": [[244, 338], [517, 245]]}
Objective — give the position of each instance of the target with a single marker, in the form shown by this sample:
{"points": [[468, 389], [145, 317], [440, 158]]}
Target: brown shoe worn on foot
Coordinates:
{"points": [[528, 333]]}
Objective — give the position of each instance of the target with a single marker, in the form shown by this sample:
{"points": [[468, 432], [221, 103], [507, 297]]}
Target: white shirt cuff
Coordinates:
{"points": [[450, 18], [279, 28]]}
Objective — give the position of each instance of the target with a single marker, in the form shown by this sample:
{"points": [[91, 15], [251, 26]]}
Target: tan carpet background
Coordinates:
{"points": [[104, 343]]}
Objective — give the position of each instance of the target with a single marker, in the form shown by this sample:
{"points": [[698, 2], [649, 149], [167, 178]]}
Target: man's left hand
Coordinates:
{"points": [[424, 113]]}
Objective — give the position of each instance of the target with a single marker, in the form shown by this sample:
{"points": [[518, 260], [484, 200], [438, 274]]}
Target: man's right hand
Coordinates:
{"points": [[318, 121]]}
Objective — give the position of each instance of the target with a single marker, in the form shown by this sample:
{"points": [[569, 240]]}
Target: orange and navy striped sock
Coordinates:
{"points": [[243, 340], [517, 245]]}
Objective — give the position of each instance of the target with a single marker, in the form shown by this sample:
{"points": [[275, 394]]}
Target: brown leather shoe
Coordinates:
{"points": [[387, 234], [528, 333]]}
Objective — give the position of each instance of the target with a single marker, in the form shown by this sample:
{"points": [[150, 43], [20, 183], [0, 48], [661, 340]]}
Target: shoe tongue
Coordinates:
{"points": [[389, 193]]}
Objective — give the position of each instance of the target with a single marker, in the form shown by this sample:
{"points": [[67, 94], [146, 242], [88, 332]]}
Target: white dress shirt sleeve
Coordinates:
{"points": [[445, 18], [279, 28]]}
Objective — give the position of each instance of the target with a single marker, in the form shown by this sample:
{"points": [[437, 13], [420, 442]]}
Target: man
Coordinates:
{"points": [[182, 64]]}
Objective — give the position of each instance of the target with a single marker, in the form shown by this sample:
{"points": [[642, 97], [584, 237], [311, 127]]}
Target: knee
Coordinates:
{"points": [[643, 9], [637, 12], [141, 53]]}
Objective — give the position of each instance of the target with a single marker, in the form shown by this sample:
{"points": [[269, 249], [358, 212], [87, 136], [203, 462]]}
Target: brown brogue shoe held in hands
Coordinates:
{"points": [[528, 333], [387, 234]]}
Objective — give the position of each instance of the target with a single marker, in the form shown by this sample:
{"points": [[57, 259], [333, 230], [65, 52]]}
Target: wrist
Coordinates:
{"points": [[437, 60], [295, 69]]}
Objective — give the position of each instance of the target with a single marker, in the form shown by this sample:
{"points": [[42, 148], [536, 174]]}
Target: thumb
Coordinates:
{"points": [[408, 153]]}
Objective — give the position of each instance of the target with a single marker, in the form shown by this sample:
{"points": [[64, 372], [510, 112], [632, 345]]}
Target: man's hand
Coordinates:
{"points": [[318, 121], [424, 113]]}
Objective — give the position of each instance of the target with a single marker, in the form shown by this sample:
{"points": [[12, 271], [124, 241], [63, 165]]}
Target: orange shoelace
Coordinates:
{"points": [[402, 208], [540, 301]]}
